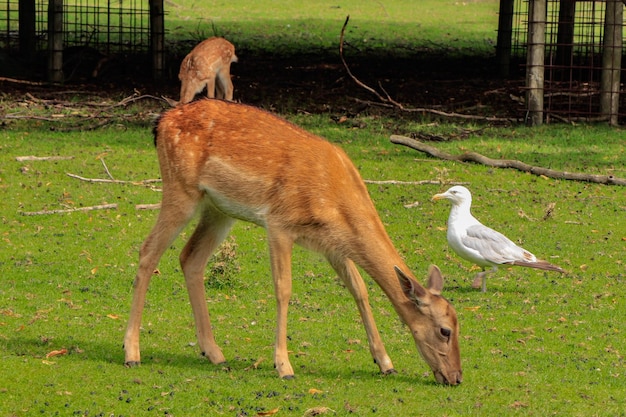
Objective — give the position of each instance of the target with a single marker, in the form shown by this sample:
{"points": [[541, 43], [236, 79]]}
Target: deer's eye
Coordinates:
{"points": [[445, 332]]}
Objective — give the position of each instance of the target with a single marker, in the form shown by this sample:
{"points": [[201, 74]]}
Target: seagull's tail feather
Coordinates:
{"points": [[539, 264]]}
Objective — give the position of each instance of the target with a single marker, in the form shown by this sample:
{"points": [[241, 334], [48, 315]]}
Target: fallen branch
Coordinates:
{"points": [[38, 213], [42, 158], [506, 163]]}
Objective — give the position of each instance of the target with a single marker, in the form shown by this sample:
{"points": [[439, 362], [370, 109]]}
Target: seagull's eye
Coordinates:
{"points": [[445, 332]]}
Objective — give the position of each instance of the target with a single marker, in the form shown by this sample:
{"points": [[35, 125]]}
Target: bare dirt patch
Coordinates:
{"points": [[310, 84]]}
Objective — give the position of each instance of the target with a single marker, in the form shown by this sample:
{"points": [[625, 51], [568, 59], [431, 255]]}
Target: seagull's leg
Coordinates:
{"points": [[480, 281]]}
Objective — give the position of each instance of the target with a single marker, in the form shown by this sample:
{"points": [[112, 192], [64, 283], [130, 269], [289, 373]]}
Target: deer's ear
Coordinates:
{"points": [[411, 288], [435, 280]]}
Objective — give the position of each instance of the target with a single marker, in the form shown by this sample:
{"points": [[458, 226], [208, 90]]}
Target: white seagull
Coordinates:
{"points": [[477, 243]]}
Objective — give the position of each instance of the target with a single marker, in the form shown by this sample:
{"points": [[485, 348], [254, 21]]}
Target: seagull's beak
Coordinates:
{"points": [[438, 197]]}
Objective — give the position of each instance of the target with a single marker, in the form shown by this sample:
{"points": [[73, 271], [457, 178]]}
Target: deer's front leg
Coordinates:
{"points": [[280, 256], [131, 339], [350, 275]]}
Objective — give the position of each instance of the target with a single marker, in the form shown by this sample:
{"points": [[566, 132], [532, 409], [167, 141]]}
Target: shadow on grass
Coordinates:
{"points": [[101, 352]]}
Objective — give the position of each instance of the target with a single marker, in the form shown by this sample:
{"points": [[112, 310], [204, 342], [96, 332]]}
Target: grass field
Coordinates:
{"points": [[535, 344], [306, 27]]}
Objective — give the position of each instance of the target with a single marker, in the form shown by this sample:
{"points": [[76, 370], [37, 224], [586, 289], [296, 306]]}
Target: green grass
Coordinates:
{"points": [[288, 27], [534, 344]]}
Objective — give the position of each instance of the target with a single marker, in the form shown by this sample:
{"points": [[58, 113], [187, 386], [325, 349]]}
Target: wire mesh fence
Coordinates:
{"points": [[109, 26], [95, 32], [574, 48]]}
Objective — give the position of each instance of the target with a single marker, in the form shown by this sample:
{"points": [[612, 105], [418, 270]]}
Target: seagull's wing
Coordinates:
{"points": [[494, 246]]}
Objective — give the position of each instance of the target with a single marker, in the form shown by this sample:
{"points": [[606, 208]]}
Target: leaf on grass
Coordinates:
{"points": [[475, 308], [268, 413], [314, 391], [316, 411], [113, 316], [54, 353], [255, 365], [9, 313]]}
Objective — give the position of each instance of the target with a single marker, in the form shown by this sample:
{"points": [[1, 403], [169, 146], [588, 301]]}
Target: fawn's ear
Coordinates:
{"points": [[435, 280], [411, 288]]}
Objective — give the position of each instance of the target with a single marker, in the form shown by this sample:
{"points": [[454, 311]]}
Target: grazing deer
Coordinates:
{"points": [[207, 65], [229, 161]]}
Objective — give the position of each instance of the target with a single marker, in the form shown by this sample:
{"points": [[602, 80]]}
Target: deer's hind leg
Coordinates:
{"points": [[224, 84], [172, 219], [212, 228], [210, 85], [349, 274]]}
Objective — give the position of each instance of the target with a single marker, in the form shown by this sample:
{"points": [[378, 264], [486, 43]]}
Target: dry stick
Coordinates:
{"points": [[111, 181], [106, 168], [155, 206], [100, 207], [42, 158], [356, 80], [423, 182], [134, 97], [506, 163], [391, 103], [443, 113], [16, 81]]}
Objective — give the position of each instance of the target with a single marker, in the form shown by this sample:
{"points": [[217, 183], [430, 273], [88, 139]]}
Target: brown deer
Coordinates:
{"points": [[229, 161], [207, 65]]}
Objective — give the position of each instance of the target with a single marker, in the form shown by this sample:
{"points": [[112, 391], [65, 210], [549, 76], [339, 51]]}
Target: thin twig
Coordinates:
{"points": [[356, 80], [444, 114], [16, 81], [110, 181], [100, 207], [106, 169], [156, 206], [423, 182], [388, 101], [42, 158]]}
